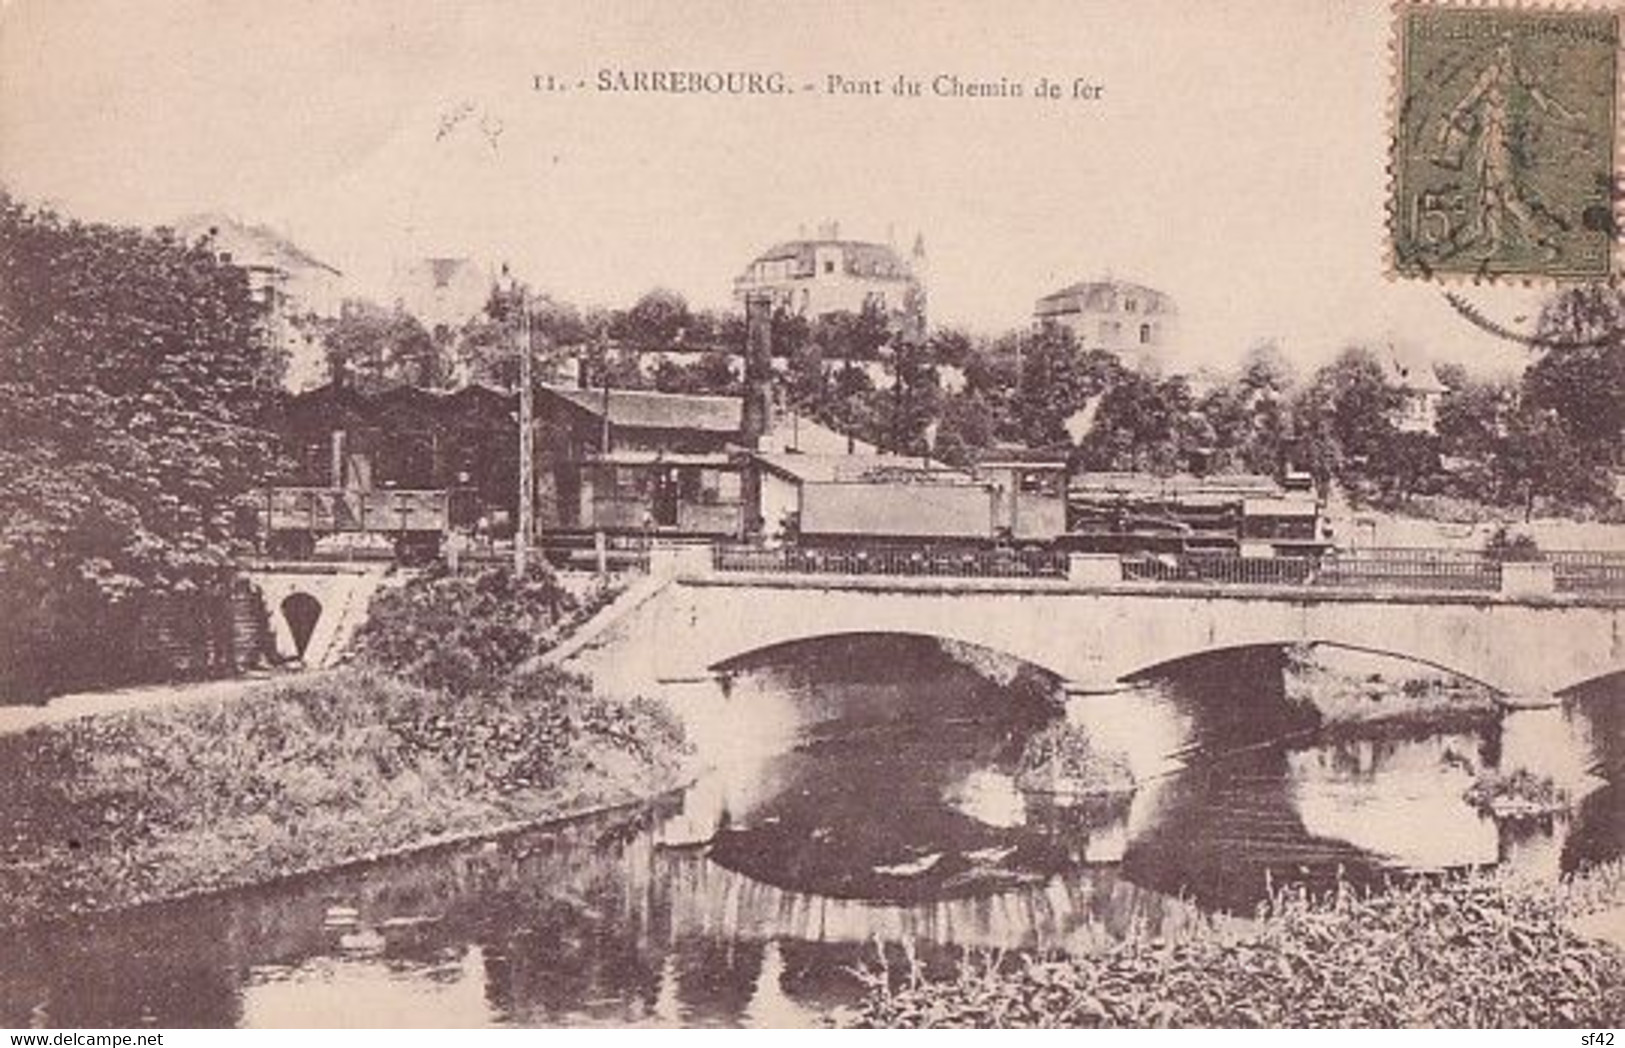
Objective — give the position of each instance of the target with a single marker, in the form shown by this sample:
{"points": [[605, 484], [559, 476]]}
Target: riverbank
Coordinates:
{"points": [[324, 770], [1468, 951], [431, 737]]}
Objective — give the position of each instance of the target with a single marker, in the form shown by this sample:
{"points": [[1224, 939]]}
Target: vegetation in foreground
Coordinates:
{"points": [[465, 633], [1469, 951], [320, 770]]}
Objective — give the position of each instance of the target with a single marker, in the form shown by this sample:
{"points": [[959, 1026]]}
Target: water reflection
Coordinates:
{"points": [[888, 815]]}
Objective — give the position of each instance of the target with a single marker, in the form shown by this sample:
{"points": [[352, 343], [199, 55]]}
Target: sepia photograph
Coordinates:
{"points": [[1095, 514]]}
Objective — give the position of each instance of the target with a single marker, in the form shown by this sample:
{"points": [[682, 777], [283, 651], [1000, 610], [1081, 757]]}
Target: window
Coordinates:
{"points": [[829, 265], [1132, 305], [627, 482], [707, 487], [1145, 334]]}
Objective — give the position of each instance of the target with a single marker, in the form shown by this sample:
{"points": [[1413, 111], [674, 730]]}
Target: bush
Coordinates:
{"points": [[464, 633]]}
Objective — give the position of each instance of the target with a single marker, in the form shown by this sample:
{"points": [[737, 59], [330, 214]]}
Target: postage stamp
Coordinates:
{"points": [[1503, 151]]}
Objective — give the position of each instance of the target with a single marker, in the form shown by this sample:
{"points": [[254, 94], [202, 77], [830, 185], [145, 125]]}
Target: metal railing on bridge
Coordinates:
{"points": [[1409, 568], [894, 560], [1587, 571], [1383, 569]]}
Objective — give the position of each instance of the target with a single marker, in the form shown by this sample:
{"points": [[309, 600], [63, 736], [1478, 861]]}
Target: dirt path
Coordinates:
{"points": [[96, 703]]}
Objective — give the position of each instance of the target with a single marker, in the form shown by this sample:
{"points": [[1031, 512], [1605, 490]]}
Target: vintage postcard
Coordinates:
{"points": [[612, 513]]}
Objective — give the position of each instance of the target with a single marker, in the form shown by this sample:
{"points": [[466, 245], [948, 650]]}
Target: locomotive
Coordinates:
{"points": [[1030, 504]]}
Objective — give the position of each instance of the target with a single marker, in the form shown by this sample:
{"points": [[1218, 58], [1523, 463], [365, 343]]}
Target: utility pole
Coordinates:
{"points": [[527, 466]]}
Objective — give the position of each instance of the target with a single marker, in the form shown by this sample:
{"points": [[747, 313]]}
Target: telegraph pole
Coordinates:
{"points": [[527, 464]]}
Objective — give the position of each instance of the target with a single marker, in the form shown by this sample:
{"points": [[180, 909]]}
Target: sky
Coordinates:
{"points": [[1236, 158]]}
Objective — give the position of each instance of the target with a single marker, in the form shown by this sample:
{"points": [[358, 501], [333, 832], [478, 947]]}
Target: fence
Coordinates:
{"points": [[1427, 569], [895, 560], [1576, 571], [1450, 570], [1221, 569], [1407, 571]]}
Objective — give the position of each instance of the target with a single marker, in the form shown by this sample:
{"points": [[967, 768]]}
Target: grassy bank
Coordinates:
{"points": [[320, 770], [112, 811], [1475, 951]]}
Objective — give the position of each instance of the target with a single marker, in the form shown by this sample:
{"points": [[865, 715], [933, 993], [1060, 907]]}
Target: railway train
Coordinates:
{"points": [[1035, 505], [828, 502]]}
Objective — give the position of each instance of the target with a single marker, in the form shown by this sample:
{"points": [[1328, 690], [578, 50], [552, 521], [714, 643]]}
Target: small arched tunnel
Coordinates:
{"points": [[302, 612]]}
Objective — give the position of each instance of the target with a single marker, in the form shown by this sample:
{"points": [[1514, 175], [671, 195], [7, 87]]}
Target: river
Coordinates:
{"points": [[868, 816]]}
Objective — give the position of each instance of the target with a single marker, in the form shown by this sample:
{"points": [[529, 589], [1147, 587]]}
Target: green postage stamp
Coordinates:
{"points": [[1504, 161]]}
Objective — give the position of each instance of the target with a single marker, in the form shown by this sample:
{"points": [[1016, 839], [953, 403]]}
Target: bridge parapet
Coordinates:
{"points": [[1442, 572]]}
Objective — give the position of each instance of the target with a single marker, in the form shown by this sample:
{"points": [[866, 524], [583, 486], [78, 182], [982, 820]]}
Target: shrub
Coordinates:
{"points": [[464, 633]]}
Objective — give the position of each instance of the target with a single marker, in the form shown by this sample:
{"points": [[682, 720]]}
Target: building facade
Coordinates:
{"points": [[1420, 390], [1137, 323], [829, 275], [297, 290], [442, 293]]}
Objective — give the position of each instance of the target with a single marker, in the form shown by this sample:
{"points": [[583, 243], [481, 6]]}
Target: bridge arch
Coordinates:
{"points": [[1397, 653], [740, 660]]}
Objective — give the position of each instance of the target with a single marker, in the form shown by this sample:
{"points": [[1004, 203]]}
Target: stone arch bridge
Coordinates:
{"points": [[691, 625]]}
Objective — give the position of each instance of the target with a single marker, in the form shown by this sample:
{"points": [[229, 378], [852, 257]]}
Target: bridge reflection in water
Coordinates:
{"points": [[886, 815]]}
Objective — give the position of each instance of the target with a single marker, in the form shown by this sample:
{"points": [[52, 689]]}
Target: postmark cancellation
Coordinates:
{"points": [[1504, 161]]}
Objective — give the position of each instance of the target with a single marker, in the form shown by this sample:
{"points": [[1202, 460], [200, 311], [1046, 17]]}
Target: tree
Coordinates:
{"points": [[1053, 385], [1580, 375], [375, 348], [807, 387], [1473, 425], [133, 381], [951, 347], [916, 395], [965, 427], [1539, 458], [486, 348], [852, 336], [659, 320], [1344, 418], [712, 373], [1265, 370], [1137, 426]]}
